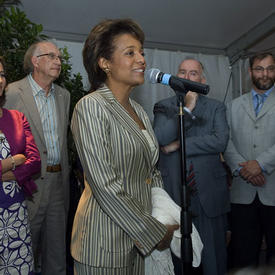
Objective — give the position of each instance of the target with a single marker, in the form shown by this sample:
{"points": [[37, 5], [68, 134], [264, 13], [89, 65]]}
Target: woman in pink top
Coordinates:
{"points": [[19, 161]]}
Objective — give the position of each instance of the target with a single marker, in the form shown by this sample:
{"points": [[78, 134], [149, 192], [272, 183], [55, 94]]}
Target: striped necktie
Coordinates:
{"points": [[260, 101], [190, 179]]}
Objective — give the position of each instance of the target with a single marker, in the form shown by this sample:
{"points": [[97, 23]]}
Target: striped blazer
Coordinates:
{"points": [[113, 219]]}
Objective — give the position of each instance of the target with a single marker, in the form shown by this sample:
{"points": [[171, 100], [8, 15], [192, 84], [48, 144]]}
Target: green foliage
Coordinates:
{"points": [[17, 33], [4, 4], [72, 82]]}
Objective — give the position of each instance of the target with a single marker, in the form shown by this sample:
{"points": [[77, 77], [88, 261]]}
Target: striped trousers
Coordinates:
{"points": [[136, 269]]}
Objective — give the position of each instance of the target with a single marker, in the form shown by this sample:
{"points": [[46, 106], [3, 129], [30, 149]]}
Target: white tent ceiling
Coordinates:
{"points": [[228, 27]]}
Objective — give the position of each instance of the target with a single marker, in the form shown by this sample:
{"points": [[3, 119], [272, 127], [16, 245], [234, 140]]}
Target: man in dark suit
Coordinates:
{"points": [[46, 107], [206, 137]]}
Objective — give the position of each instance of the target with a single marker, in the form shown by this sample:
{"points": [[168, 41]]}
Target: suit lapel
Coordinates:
{"points": [[200, 108], [150, 130], [30, 107], [268, 104], [247, 104], [198, 112], [126, 121]]}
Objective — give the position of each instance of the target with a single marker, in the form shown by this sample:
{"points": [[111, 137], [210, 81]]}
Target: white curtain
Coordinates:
{"points": [[245, 82], [217, 72]]}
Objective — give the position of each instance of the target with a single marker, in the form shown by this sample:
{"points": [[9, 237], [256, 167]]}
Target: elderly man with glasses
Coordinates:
{"points": [[46, 106]]}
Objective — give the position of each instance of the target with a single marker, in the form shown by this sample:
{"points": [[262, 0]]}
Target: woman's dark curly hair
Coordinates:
{"points": [[99, 43], [3, 96]]}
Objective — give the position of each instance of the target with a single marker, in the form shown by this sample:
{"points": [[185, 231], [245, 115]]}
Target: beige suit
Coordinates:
{"points": [[20, 97], [252, 138], [113, 220]]}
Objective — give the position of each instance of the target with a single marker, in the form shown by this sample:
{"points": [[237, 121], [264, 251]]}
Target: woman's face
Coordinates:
{"points": [[2, 79], [127, 64]]}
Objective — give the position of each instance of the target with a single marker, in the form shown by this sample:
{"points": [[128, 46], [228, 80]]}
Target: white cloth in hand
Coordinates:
{"points": [[165, 210]]}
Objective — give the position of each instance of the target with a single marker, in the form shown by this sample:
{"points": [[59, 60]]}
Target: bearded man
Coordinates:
{"points": [[251, 155]]}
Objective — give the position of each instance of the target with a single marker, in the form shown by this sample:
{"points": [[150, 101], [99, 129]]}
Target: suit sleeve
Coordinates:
{"points": [[165, 124], [90, 127], [231, 155], [267, 159], [156, 175], [215, 140], [32, 164]]}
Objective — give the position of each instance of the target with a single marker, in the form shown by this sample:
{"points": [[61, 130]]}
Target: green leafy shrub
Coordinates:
{"points": [[17, 33]]}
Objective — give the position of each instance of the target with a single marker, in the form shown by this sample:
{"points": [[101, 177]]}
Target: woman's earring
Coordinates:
{"points": [[106, 70]]}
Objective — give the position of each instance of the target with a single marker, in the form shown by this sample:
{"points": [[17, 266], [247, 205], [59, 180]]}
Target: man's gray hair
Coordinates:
{"points": [[33, 50], [193, 58]]}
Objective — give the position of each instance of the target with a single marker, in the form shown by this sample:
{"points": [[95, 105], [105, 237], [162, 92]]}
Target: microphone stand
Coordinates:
{"points": [[186, 217]]}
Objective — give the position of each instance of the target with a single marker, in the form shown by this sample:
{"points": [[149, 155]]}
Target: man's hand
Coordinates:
{"points": [[250, 169], [258, 180], [172, 147], [165, 242], [190, 100]]}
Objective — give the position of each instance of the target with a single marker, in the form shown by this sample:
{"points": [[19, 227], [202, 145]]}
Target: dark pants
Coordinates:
{"points": [[213, 235], [178, 267], [249, 224]]}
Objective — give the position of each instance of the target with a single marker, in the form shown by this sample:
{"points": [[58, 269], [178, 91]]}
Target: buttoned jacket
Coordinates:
{"points": [[252, 138], [205, 138], [113, 220]]}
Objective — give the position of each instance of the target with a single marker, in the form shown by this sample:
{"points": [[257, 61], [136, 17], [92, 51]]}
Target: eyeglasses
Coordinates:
{"points": [[190, 73], [2, 75], [269, 69], [52, 56]]}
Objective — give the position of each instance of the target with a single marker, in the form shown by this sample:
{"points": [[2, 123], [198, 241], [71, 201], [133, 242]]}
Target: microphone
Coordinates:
{"points": [[176, 83]]}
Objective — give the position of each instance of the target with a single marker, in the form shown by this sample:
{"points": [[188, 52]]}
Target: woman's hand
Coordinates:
{"points": [[7, 166], [11, 163], [165, 242], [19, 159]]}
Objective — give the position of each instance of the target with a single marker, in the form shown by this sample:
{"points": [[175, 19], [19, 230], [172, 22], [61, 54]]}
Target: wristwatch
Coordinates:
{"points": [[236, 173]]}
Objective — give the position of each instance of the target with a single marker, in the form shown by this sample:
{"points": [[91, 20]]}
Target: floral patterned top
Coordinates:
{"points": [[10, 191], [16, 256]]}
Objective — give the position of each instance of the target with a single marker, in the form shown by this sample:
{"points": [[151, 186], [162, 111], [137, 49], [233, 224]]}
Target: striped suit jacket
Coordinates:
{"points": [[113, 219]]}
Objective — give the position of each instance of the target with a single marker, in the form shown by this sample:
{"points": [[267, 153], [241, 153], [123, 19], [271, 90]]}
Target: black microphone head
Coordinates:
{"points": [[151, 75]]}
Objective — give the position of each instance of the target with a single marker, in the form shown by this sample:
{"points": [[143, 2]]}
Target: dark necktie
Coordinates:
{"points": [[190, 179]]}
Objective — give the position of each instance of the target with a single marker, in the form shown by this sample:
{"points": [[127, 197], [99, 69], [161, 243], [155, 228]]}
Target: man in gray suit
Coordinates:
{"points": [[206, 138], [251, 155], [46, 107]]}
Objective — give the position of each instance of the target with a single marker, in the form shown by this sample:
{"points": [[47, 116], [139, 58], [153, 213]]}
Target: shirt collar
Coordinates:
{"points": [[36, 88], [254, 93]]}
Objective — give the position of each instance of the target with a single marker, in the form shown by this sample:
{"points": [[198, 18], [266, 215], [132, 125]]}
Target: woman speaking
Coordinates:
{"points": [[113, 228]]}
